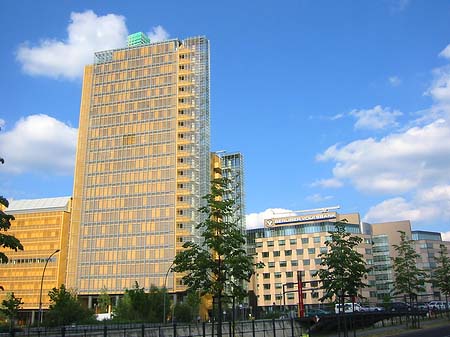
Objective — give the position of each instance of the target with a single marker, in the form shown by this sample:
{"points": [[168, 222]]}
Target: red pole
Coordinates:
{"points": [[301, 307]]}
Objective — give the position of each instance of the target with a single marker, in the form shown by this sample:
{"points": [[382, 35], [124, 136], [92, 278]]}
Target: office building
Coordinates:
{"points": [[291, 245], [42, 226], [142, 164], [426, 244], [231, 167]]}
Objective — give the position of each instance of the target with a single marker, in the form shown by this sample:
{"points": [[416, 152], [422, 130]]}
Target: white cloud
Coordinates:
{"points": [[157, 34], [375, 118], [399, 208], [256, 220], [428, 204], [2, 123], [39, 143], [396, 163], [338, 116], [440, 87], [395, 81], [87, 33], [317, 197], [446, 236], [327, 183], [399, 5], [445, 52]]}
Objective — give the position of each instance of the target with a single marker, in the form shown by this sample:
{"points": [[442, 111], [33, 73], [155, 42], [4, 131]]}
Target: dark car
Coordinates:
{"points": [[317, 312], [398, 307]]}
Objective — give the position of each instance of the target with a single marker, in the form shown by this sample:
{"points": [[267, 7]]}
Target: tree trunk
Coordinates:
{"points": [[219, 319]]}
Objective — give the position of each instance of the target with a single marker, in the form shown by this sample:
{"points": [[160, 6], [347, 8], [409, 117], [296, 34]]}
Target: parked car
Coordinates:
{"points": [[437, 305], [398, 307], [349, 307], [373, 308], [422, 306], [317, 312]]}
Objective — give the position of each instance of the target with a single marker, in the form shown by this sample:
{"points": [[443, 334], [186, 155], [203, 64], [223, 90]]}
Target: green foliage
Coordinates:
{"points": [[66, 309], [188, 310], [441, 275], [182, 312], [7, 241], [103, 301], [221, 263], [10, 306], [343, 268], [408, 278], [139, 306]]}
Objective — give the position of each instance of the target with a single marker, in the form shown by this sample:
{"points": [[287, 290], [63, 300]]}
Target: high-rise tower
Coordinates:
{"points": [[142, 163]]}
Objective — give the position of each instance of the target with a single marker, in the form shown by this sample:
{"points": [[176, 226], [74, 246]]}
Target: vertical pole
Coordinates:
{"points": [[292, 327], [301, 308], [174, 329], [234, 317], [142, 330], [273, 328], [42, 283], [253, 329], [105, 331], [204, 329]]}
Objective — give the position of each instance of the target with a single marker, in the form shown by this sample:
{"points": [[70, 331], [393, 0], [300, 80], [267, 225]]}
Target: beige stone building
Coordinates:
{"points": [[427, 245], [291, 245]]}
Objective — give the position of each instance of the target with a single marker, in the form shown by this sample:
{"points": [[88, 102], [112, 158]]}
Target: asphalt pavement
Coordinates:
{"points": [[439, 327]]}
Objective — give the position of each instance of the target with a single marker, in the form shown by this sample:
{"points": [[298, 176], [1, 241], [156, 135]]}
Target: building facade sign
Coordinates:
{"points": [[302, 218]]}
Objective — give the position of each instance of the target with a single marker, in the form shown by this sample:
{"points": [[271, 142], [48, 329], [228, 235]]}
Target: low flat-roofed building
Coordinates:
{"points": [[42, 226], [427, 244], [291, 244]]}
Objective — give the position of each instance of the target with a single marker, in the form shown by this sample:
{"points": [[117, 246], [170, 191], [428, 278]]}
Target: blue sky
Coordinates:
{"points": [[331, 102]]}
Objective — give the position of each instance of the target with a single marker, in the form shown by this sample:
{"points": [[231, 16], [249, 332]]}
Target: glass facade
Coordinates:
{"points": [[42, 226], [423, 235], [142, 164], [382, 266], [232, 165]]}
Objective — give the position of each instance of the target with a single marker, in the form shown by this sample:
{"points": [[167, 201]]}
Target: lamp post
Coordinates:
{"points": [[165, 291], [42, 282]]}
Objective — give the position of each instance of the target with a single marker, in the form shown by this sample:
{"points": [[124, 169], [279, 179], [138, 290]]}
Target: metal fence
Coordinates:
{"points": [[260, 328]]}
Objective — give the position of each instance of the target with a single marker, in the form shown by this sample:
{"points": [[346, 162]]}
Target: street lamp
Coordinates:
{"points": [[42, 282], [165, 290]]}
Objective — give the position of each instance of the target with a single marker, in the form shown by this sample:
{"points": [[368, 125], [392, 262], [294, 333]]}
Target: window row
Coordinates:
{"points": [[293, 263]]}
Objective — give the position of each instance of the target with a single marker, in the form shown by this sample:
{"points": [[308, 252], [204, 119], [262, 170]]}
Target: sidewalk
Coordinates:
{"points": [[389, 330]]}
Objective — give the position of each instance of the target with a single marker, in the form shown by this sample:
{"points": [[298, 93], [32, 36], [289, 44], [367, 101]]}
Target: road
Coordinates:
{"points": [[442, 331]]}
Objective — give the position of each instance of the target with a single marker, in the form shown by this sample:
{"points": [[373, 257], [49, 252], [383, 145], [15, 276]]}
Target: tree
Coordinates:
{"points": [[139, 306], [10, 307], [188, 310], [193, 301], [103, 301], [219, 265], [409, 279], [441, 275], [7, 241], [66, 309], [183, 313], [343, 268]]}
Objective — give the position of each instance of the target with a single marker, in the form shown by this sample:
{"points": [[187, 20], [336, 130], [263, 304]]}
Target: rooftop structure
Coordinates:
{"points": [[138, 39]]}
